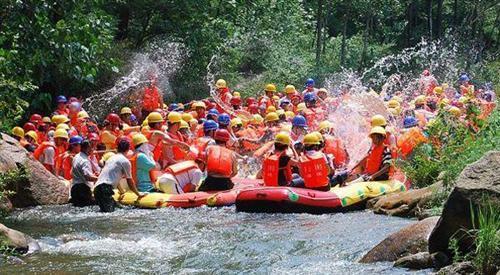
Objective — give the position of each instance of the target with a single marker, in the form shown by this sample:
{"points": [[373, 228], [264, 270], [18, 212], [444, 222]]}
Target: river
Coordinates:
{"points": [[200, 241]]}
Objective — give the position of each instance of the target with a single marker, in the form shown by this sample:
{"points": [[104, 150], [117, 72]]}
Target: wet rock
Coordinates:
{"points": [[423, 260], [15, 260], [461, 268], [478, 184], [405, 204], [18, 240], [41, 186], [411, 239]]}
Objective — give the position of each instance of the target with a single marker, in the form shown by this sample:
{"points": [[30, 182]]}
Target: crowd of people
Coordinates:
{"points": [[181, 148]]}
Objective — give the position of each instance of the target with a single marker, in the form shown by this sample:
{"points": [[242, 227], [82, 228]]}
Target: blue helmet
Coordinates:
{"points": [[309, 82], [463, 78], [309, 97], [173, 107], [75, 140], [299, 121], [409, 122], [210, 125], [133, 117], [285, 101], [213, 112], [224, 119], [61, 99]]}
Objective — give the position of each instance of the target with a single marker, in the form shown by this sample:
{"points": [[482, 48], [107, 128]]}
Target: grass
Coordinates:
{"points": [[10, 178], [487, 239]]}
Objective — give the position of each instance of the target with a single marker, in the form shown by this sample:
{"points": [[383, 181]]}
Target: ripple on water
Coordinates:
{"points": [[203, 240]]}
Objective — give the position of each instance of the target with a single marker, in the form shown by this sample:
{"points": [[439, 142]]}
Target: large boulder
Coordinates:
{"points": [[18, 240], [409, 240], [477, 185], [41, 187]]}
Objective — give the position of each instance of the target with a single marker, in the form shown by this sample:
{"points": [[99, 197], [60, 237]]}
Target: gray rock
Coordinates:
{"points": [[478, 184], [462, 268], [18, 240], [420, 260]]}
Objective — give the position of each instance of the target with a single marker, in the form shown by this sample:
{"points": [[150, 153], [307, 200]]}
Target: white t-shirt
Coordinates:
{"points": [[47, 156], [192, 176], [116, 168], [81, 168]]}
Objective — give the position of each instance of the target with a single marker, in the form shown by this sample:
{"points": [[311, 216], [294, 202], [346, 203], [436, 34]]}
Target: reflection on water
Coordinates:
{"points": [[203, 240]]}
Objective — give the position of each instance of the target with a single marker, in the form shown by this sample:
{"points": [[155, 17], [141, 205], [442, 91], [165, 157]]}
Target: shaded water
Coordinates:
{"points": [[201, 241]]}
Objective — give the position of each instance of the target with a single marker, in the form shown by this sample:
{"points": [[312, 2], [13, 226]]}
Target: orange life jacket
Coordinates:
{"points": [[179, 154], [182, 167], [151, 99], [409, 140], [270, 170], [41, 148], [314, 171], [201, 144], [374, 159], [153, 174], [67, 165], [157, 148], [335, 147], [220, 161]]}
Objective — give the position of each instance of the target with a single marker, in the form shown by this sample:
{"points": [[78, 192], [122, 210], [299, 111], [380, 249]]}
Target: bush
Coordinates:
{"points": [[9, 179], [487, 239]]}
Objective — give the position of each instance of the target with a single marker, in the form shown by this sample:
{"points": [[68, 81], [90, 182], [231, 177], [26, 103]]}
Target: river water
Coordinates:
{"points": [[200, 241]]}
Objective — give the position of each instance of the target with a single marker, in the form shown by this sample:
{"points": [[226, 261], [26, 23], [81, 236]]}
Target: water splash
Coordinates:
{"points": [[159, 60]]}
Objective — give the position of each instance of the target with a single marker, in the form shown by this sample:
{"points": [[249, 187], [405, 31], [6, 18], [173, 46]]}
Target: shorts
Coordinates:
{"points": [[103, 194], [216, 184], [81, 195]]}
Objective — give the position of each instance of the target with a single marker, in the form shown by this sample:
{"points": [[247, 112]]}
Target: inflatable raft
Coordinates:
{"points": [[301, 200], [188, 200]]}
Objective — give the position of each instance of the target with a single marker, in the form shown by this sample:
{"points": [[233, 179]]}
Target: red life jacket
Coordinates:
{"points": [[314, 170], [409, 140], [180, 168], [201, 144], [335, 147], [151, 100], [270, 170], [220, 161], [374, 159], [157, 148], [179, 154], [67, 165]]}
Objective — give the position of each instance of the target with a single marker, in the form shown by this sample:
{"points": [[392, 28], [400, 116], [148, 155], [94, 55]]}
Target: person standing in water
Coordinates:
{"points": [[83, 177]]}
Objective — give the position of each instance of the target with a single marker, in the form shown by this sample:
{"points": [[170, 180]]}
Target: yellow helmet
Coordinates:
{"points": [[438, 90], [46, 119], [236, 94], [221, 83], [32, 134], [83, 114], [319, 135], [289, 114], [193, 122], [18, 132], [106, 156], [378, 120], [272, 116], [311, 139], [174, 117], [378, 130], [270, 88], [323, 125], [398, 99], [154, 117], [444, 102], [58, 119], [199, 104], [290, 89], [419, 100], [283, 138], [236, 121], [63, 126], [145, 123], [257, 119], [455, 111], [139, 139], [187, 117], [301, 107], [394, 111], [270, 109], [184, 125], [392, 103], [61, 133], [125, 110], [463, 99], [280, 112]]}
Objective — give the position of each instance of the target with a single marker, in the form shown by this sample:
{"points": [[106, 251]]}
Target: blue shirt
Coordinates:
{"points": [[144, 165]]}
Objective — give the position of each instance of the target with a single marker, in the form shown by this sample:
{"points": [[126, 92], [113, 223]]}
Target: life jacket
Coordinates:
{"points": [[201, 144], [64, 111], [249, 133], [157, 148], [270, 170], [153, 174], [178, 153], [310, 117], [220, 161], [314, 170], [151, 99], [420, 116], [409, 140], [319, 114], [180, 168], [374, 159], [41, 148], [109, 138], [42, 137], [335, 147], [67, 165], [60, 150]]}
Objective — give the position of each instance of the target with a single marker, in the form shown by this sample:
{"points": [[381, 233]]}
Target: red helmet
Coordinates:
{"points": [[253, 108], [426, 73], [250, 101], [36, 118], [28, 126], [93, 137], [235, 101], [113, 118], [222, 135], [73, 99]]}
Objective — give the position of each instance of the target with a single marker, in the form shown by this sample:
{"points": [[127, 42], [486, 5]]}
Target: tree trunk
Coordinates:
{"points": [[319, 29], [429, 17], [343, 47], [455, 15], [439, 19], [365, 43], [123, 21]]}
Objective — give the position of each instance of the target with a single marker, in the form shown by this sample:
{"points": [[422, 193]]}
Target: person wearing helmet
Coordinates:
{"points": [[111, 131], [334, 147], [421, 114], [48, 154], [411, 137], [224, 121], [74, 108], [209, 129], [253, 108], [199, 107], [290, 92], [67, 158], [299, 128], [309, 87], [267, 99], [466, 87], [142, 163], [221, 164], [125, 114], [376, 165], [61, 106], [182, 177], [175, 153], [277, 165], [18, 134], [152, 98], [236, 102], [36, 119], [31, 138], [272, 120], [83, 177], [116, 168], [313, 166], [212, 114], [426, 83]]}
